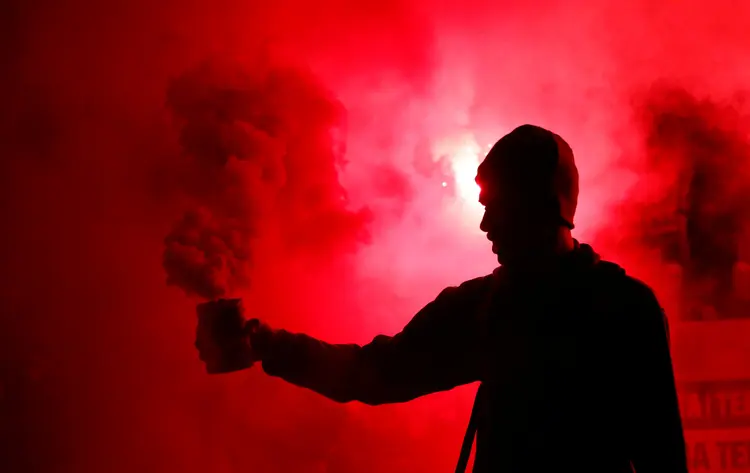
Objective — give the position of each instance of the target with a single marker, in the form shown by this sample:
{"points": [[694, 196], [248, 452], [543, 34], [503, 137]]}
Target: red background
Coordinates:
{"points": [[97, 368]]}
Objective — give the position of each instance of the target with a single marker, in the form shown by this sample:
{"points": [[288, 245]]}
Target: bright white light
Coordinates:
{"points": [[464, 162], [464, 155], [444, 184]]}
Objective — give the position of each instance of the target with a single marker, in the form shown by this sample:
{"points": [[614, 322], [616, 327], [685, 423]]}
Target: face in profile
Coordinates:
{"points": [[515, 226], [501, 224], [529, 190]]}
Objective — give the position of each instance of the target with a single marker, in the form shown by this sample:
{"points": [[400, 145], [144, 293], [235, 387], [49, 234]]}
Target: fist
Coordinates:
{"points": [[223, 336]]}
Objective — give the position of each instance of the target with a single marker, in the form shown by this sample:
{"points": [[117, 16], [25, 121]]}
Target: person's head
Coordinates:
{"points": [[529, 188]]}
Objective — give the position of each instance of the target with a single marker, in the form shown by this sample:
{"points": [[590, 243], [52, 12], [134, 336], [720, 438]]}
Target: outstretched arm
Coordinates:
{"points": [[658, 443], [434, 352]]}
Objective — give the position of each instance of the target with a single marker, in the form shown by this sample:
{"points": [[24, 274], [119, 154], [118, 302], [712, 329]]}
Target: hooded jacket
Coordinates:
{"points": [[574, 366]]}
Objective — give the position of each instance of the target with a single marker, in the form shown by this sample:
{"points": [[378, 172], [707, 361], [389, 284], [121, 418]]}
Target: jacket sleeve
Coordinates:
{"points": [[434, 352], [656, 435]]}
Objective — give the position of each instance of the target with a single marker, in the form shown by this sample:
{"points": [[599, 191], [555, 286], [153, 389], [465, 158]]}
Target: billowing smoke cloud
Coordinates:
{"points": [[695, 153], [691, 203], [263, 145]]}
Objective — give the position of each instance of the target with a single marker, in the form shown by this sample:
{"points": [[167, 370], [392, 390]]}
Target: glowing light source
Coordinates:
{"points": [[464, 155], [444, 184], [464, 162]]}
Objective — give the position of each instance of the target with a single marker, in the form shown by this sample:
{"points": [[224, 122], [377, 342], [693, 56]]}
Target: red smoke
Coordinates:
{"points": [[262, 147], [691, 202], [119, 127]]}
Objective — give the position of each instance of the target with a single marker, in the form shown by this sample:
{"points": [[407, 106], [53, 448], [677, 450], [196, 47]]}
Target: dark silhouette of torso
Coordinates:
{"points": [[574, 368], [556, 393]]}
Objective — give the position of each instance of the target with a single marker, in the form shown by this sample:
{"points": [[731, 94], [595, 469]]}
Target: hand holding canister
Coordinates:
{"points": [[223, 336]]}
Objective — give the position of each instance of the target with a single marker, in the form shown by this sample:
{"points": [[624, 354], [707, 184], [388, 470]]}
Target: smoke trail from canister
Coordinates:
{"points": [[262, 146]]}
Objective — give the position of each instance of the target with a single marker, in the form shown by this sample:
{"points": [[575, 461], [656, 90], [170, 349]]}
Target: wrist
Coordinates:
{"points": [[260, 337]]}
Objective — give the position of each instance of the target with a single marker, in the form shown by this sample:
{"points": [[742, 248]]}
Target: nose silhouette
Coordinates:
{"points": [[484, 225]]}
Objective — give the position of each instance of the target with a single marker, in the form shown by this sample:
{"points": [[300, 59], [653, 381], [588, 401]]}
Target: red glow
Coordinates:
{"points": [[98, 371]]}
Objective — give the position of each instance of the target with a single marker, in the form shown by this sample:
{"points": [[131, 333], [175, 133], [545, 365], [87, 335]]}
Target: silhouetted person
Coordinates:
{"points": [[572, 354]]}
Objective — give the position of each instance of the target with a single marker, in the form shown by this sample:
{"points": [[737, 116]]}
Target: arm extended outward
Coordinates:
{"points": [[434, 352]]}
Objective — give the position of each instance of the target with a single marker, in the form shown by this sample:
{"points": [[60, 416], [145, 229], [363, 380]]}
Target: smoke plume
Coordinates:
{"points": [[262, 148], [693, 160]]}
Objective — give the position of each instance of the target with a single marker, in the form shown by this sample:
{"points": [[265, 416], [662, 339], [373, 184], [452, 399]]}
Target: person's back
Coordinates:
{"points": [[571, 353], [566, 355]]}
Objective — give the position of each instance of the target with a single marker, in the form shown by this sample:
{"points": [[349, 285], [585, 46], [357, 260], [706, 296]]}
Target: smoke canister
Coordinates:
{"points": [[222, 337]]}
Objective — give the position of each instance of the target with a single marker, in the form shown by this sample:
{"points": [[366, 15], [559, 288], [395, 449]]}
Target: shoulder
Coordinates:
{"points": [[460, 300], [634, 296], [615, 277], [467, 291], [452, 311]]}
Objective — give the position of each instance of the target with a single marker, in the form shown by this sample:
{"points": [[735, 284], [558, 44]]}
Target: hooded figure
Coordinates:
{"points": [[572, 354]]}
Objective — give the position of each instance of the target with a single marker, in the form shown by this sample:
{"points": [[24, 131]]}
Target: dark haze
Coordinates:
{"points": [[262, 147], [692, 201]]}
